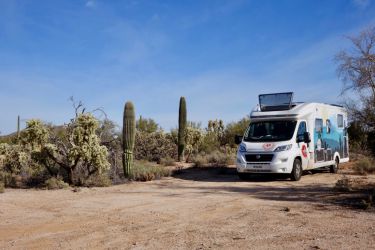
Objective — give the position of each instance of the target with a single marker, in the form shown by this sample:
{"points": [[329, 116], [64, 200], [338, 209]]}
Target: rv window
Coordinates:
{"points": [[328, 126], [301, 130], [319, 125], [340, 121]]}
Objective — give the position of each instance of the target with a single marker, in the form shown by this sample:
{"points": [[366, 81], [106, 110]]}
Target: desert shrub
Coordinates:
{"points": [[55, 183], [220, 158], [168, 161], [365, 165], [2, 187], [146, 171], [154, 146], [343, 184], [98, 180], [223, 157], [199, 160]]}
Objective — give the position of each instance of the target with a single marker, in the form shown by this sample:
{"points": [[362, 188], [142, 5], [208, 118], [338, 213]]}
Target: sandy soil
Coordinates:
{"points": [[197, 209]]}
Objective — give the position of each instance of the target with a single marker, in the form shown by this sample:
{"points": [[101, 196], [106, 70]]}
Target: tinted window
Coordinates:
{"points": [[301, 130]]}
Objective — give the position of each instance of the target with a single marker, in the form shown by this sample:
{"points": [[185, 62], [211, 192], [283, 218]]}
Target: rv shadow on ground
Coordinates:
{"points": [[226, 174], [320, 194]]}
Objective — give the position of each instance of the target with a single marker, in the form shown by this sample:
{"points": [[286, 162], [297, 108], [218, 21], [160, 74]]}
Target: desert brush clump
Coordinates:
{"points": [[365, 165], [55, 183], [217, 158], [182, 120], [147, 171], [154, 146], [128, 137], [168, 161]]}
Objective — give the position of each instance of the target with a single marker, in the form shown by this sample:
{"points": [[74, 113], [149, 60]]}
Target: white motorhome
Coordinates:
{"points": [[287, 138]]}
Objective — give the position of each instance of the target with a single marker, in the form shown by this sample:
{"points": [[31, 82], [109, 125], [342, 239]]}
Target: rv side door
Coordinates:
{"points": [[303, 143]]}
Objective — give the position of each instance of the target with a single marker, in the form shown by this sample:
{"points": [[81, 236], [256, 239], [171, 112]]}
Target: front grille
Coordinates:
{"points": [[258, 170], [259, 157]]}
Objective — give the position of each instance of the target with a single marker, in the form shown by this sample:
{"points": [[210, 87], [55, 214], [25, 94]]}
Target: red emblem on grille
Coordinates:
{"points": [[267, 146]]}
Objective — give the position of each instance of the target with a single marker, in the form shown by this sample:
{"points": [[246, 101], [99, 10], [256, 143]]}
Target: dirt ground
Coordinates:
{"points": [[196, 209]]}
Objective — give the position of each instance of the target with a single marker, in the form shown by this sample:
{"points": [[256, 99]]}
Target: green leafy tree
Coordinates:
{"points": [[147, 125], [233, 129]]}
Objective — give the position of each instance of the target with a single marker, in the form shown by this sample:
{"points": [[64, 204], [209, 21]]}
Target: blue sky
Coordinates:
{"points": [[219, 54]]}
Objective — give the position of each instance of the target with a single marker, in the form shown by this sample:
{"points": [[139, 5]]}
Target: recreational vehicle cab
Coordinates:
{"points": [[287, 137]]}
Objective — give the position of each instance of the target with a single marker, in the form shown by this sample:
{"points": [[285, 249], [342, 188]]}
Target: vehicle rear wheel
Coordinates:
{"points": [[333, 168], [243, 176], [297, 170]]}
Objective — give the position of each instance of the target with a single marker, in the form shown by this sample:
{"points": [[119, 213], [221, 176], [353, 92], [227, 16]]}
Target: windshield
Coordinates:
{"points": [[270, 131]]}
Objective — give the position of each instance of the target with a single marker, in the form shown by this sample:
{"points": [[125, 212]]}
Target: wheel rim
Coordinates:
{"points": [[298, 169]]}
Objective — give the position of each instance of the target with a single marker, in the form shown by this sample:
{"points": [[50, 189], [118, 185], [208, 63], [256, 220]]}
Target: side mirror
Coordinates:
{"points": [[306, 137], [238, 139]]}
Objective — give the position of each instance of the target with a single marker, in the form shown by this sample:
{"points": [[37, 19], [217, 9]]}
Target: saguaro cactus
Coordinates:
{"points": [[128, 138], [181, 129]]}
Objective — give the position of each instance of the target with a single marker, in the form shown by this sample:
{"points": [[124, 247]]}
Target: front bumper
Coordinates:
{"points": [[281, 163]]}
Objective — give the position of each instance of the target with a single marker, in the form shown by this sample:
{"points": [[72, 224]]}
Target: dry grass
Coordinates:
{"points": [[361, 191], [168, 161], [146, 171], [365, 165], [55, 183], [215, 158]]}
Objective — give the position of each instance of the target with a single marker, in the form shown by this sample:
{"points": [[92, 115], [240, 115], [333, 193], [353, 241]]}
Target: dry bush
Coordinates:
{"points": [[2, 187], [55, 183], [364, 166], [98, 180], [343, 184], [215, 158], [146, 171], [167, 161], [361, 191], [154, 146]]}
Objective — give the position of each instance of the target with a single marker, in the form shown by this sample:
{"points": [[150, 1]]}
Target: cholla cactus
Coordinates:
{"points": [[35, 135], [128, 137], [194, 138], [182, 129], [86, 145], [12, 158]]}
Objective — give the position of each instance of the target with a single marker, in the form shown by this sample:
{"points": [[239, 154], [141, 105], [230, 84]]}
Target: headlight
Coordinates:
{"points": [[283, 148], [242, 149]]}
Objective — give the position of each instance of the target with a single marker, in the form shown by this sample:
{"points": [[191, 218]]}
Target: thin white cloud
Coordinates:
{"points": [[90, 4], [361, 3]]}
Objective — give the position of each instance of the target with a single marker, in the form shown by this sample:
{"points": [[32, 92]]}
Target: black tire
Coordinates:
{"points": [[297, 170], [243, 176], [333, 168]]}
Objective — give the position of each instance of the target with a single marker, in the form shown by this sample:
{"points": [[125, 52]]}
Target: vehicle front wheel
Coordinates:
{"points": [[297, 170], [333, 168]]}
